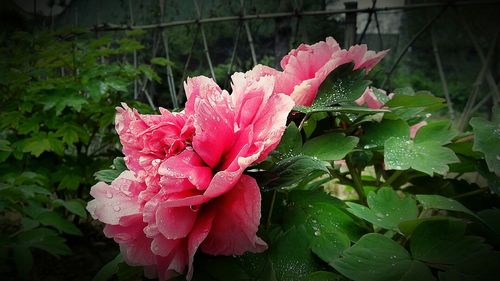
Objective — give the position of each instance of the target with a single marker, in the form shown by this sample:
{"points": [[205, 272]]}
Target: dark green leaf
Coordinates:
{"points": [[340, 109], [329, 245], [487, 140], [342, 85], [161, 61], [421, 100], [75, 206], [323, 276], [480, 267], [45, 239], [407, 227], [59, 222], [290, 171], [108, 270], [291, 142], [386, 209], [321, 214], [377, 258], [291, 257], [111, 174], [331, 146], [443, 203], [375, 134], [37, 144], [443, 243]]}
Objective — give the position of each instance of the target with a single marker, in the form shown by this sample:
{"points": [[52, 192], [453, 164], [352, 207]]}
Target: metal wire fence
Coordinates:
{"points": [[244, 20]]}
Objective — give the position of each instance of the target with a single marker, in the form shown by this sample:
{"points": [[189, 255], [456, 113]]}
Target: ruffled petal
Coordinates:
{"points": [[237, 218], [116, 200]]}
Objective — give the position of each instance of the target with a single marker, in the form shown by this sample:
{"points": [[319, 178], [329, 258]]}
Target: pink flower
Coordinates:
{"points": [[305, 68], [186, 189], [372, 101], [369, 98]]}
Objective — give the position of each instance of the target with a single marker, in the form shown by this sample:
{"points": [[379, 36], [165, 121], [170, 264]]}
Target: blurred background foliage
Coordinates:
{"points": [[63, 70]]}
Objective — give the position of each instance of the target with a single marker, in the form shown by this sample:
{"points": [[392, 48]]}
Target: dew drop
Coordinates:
{"points": [[116, 208], [109, 194]]}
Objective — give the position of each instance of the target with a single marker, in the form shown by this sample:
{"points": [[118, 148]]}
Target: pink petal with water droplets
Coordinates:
{"points": [[196, 237], [116, 200], [236, 221], [175, 222]]}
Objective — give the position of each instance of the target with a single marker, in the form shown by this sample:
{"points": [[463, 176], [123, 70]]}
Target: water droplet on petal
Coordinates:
{"points": [[109, 194], [116, 208]]}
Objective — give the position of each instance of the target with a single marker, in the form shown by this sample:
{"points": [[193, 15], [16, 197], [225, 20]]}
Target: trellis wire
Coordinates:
{"points": [[113, 27], [244, 19]]}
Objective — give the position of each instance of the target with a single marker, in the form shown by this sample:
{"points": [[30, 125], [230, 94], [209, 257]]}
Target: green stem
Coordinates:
{"points": [[303, 121], [393, 177], [271, 208], [471, 193], [356, 178]]}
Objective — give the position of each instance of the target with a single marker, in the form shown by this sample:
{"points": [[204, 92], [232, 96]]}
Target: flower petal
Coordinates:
{"points": [[235, 225], [116, 200], [175, 222], [134, 245], [196, 237]]}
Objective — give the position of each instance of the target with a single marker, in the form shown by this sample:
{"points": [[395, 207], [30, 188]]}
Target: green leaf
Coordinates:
{"points": [[135, 32], [420, 101], [290, 171], [331, 146], [342, 85], [487, 140], [127, 272], [70, 181], [340, 109], [443, 203], [29, 125], [482, 266], [75, 206], [329, 245], [149, 72], [375, 134], [291, 142], [109, 175], [161, 61], [291, 257], [37, 144], [407, 227], [443, 243], [386, 209], [323, 276], [56, 145], [377, 258], [321, 214], [58, 222], [45, 239], [108, 270], [71, 133], [436, 131], [428, 157]]}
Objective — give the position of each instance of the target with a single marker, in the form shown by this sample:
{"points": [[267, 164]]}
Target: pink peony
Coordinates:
{"points": [[372, 101], [305, 68], [186, 188]]}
